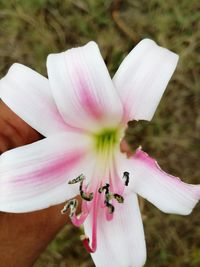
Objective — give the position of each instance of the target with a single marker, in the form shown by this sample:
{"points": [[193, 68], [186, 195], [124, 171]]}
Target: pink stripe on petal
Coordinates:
{"points": [[36, 176], [50, 170], [89, 103], [82, 88], [152, 163]]}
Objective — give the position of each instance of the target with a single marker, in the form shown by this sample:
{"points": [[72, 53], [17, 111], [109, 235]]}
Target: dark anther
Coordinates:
{"points": [[109, 196], [100, 190], [119, 198], [126, 177], [87, 197], [78, 179], [84, 195], [72, 205], [105, 187], [110, 207]]}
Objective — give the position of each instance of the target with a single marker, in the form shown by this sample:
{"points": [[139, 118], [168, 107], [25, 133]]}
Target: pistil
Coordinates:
{"points": [[72, 205]]}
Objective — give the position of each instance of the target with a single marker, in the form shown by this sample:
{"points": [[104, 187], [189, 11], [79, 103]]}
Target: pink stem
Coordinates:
{"points": [[79, 221], [95, 207]]}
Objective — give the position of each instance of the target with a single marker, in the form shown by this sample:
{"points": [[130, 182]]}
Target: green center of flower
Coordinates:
{"points": [[106, 139]]}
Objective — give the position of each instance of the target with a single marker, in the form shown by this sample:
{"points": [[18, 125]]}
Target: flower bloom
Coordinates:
{"points": [[83, 113]]}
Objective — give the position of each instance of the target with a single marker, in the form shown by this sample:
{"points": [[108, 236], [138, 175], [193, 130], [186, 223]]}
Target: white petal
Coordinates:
{"points": [[35, 176], [142, 78], [120, 242], [166, 192], [28, 94], [83, 89]]}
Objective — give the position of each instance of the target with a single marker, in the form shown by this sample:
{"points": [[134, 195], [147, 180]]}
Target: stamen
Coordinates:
{"points": [[126, 177], [105, 187], [110, 207], [78, 179], [109, 196], [79, 220], [72, 205], [119, 198], [86, 241], [84, 195]]}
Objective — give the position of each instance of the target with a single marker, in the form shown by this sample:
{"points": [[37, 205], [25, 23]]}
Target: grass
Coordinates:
{"points": [[30, 30]]}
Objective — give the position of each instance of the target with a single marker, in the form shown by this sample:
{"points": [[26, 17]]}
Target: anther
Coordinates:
{"points": [[84, 195], [72, 205], [78, 179], [110, 207], [126, 177], [109, 196], [119, 198], [105, 187]]}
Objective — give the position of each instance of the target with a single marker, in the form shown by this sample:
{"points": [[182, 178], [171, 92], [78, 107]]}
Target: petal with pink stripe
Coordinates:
{"points": [[120, 241], [166, 192], [83, 89], [36, 176]]}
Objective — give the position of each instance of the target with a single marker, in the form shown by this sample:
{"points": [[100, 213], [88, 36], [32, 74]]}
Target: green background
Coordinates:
{"points": [[30, 30]]}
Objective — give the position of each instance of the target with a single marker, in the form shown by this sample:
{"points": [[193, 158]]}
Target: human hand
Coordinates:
{"points": [[24, 236]]}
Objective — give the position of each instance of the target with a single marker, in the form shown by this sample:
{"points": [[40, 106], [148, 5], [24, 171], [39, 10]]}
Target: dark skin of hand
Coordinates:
{"points": [[24, 236]]}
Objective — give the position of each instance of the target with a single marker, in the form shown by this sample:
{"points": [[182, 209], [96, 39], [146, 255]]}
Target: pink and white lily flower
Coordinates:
{"points": [[83, 113]]}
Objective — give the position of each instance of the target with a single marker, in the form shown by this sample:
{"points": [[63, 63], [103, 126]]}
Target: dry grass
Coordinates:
{"points": [[30, 30]]}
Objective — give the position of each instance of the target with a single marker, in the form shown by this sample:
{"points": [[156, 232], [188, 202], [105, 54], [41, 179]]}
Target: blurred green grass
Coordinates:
{"points": [[30, 30]]}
